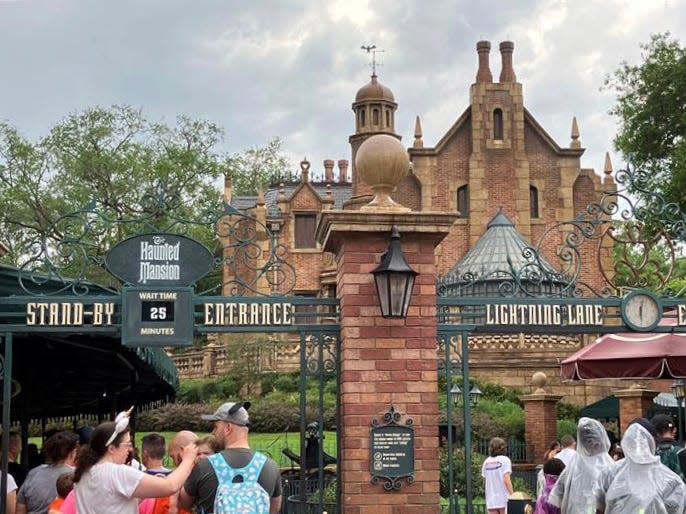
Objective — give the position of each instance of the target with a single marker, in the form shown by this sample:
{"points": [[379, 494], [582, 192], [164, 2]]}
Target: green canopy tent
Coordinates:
{"points": [[71, 374]]}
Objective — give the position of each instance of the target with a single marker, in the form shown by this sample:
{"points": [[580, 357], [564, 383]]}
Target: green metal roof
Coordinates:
{"points": [[501, 254], [79, 373]]}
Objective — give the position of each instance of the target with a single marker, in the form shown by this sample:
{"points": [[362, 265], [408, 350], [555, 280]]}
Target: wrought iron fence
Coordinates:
{"points": [[517, 451]]}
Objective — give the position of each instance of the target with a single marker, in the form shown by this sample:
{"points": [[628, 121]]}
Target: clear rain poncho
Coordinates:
{"points": [[573, 492], [640, 483]]}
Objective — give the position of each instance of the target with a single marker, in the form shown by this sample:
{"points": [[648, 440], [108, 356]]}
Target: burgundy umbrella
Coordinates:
{"points": [[629, 355]]}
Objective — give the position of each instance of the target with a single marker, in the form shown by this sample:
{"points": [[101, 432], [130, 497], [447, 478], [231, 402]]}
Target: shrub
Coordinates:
{"points": [[566, 427], [174, 417], [459, 473], [568, 411]]}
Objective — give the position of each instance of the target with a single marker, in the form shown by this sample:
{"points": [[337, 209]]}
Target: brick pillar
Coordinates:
{"points": [[386, 362], [540, 422], [634, 402]]}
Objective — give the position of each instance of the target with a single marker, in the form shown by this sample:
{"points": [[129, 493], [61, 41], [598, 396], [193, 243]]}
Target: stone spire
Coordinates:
{"points": [[507, 73], [483, 74], [575, 135], [607, 169], [418, 142]]}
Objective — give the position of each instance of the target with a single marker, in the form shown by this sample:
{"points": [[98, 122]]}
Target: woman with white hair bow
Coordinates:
{"points": [[104, 484], [573, 492]]}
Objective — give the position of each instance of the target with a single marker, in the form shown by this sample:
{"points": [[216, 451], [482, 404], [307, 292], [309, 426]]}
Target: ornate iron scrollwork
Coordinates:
{"points": [[618, 222], [70, 252]]}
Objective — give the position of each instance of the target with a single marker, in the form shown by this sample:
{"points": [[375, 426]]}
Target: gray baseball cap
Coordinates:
{"points": [[231, 412]]}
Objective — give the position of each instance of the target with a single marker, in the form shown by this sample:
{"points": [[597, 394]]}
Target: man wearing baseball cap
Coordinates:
{"points": [[670, 452], [231, 422]]}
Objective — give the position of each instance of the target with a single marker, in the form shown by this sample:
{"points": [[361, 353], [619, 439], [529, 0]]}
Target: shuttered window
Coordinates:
{"points": [[305, 225]]}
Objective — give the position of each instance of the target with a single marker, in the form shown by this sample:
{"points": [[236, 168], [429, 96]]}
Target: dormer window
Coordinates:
{"points": [[305, 226], [498, 124]]}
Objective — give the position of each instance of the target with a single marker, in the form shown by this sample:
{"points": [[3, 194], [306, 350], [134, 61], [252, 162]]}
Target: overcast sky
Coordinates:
{"points": [[291, 68]]}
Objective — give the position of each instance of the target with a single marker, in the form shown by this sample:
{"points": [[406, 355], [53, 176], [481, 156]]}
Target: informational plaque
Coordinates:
{"points": [[391, 451]]}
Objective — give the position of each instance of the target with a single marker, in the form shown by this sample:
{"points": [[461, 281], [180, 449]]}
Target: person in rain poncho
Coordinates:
{"points": [[639, 483], [573, 492]]}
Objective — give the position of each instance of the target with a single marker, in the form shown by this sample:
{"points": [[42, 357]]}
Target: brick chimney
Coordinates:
{"points": [[507, 73], [483, 48], [328, 170], [343, 171]]}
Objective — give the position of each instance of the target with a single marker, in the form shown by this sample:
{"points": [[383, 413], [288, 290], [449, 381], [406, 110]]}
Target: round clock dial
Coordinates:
{"points": [[641, 310]]}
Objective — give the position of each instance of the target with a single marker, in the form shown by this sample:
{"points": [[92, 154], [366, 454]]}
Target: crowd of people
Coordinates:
{"points": [[218, 473], [643, 474], [95, 472]]}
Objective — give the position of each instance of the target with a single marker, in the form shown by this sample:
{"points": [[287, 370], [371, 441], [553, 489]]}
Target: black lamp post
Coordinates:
{"points": [[679, 391], [394, 280]]}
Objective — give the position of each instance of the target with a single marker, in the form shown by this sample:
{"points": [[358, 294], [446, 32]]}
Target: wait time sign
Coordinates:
{"points": [[157, 317]]}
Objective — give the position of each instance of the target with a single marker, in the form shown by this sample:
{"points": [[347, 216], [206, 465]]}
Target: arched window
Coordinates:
{"points": [[375, 118], [533, 202], [498, 124], [388, 118], [463, 201], [362, 118]]}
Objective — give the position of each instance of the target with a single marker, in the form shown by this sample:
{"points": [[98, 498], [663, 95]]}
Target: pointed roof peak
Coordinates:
{"points": [[575, 134], [500, 219], [608, 164]]}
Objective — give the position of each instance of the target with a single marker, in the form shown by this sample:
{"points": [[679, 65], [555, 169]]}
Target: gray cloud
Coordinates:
{"points": [[291, 68]]}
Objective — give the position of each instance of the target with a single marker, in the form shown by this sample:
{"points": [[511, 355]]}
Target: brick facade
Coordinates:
{"points": [[505, 158], [386, 362]]}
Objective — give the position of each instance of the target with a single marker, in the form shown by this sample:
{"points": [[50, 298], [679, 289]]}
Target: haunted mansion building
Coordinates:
{"points": [[498, 168]]}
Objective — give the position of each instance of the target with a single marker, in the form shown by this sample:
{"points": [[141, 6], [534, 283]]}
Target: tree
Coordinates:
{"points": [[162, 176], [651, 102], [258, 167]]}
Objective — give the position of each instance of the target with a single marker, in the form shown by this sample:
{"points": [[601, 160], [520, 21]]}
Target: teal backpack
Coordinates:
{"points": [[238, 491], [669, 456]]}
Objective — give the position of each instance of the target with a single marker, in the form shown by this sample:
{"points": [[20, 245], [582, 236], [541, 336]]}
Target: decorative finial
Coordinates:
{"points": [[575, 135], [305, 169], [418, 142], [282, 193], [539, 381], [371, 49], [608, 164]]}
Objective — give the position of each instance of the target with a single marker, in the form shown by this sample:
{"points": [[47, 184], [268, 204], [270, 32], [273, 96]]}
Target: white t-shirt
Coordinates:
{"points": [[493, 471], [11, 483], [108, 488], [565, 455]]}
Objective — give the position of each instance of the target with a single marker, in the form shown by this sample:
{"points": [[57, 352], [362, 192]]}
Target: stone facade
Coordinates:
{"points": [[494, 155]]}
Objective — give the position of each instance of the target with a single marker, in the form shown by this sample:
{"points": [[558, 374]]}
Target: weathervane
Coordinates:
{"points": [[371, 49]]}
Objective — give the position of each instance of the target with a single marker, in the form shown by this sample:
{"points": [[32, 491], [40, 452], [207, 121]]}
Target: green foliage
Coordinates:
{"points": [[566, 427], [258, 167], [568, 411], [508, 415], [651, 97], [174, 417], [125, 164], [644, 264], [497, 392], [459, 470], [208, 390], [98, 155]]}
